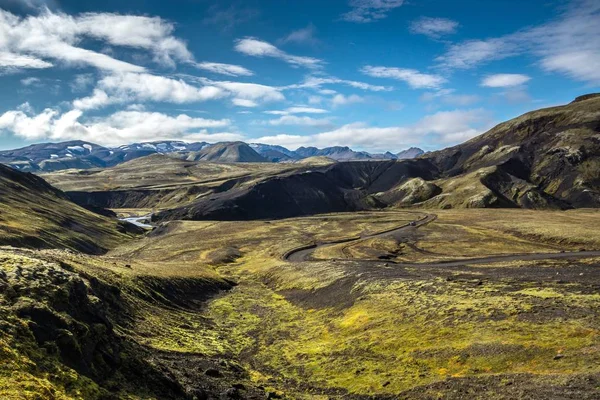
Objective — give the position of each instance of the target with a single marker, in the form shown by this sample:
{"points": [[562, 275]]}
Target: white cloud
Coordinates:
{"points": [[454, 126], [81, 82], [247, 91], [276, 112], [244, 103], [448, 127], [258, 48], [296, 120], [28, 42], [327, 92], [30, 81], [314, 82], [130, 87], [251, 91], [513, 95], [136, 107], [504, 80], [298, 110], [98, 99], [579, 65], [31, 128], [225, 69], [118, 128], [341, 100], [205, 136], [149, 33], [569, 45], [413, 78], [364, 11], [315, 100], [306, 110], [13, 62], [447, 96], [304, 36], [433, 27], [474, 52]]}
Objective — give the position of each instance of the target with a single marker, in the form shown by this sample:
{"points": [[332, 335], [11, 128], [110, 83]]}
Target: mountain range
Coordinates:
{"points": [[77, 154], [548, 158], [545, 159]]}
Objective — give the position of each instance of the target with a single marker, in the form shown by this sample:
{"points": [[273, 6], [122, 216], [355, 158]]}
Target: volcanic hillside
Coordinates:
{"points": [[544, 158]]}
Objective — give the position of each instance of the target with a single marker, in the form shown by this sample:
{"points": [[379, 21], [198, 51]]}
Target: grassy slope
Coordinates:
{"points": [[34, 214], [158, 172]]}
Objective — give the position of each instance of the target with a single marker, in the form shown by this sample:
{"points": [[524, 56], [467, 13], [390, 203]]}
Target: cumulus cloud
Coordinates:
{"points": [[149, 33], [131, 87], [504, 80], [364, 11], [433, 27], [341, 100], [258, 48], [118, 128], [244, 103], [569, 45], [248, 91], [413, 78], [225, 69], [33, 40], [447, 127]]}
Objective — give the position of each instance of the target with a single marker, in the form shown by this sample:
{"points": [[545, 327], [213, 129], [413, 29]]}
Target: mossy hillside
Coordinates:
{"points": [[31, 370], [151, 323], [387, 334], [34, 214], [405, 334]]}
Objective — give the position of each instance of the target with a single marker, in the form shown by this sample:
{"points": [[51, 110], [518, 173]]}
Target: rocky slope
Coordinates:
{"points": [[227, 152], [550, 152], [413, 152]]}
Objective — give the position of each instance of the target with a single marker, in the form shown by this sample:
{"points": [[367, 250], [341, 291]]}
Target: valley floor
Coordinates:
{"points": [[217, 308]]}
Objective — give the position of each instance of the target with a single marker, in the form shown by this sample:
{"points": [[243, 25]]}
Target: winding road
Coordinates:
{"points": [[305, 253]]}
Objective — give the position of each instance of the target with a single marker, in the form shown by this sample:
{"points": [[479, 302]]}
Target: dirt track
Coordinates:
{"points": [[305, 253]]}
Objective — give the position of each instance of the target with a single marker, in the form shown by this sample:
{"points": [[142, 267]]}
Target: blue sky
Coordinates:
{"points": [[375, 75]]}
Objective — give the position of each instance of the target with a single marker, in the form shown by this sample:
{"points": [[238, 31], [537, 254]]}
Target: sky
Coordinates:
{"points": [[375, 75]]}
